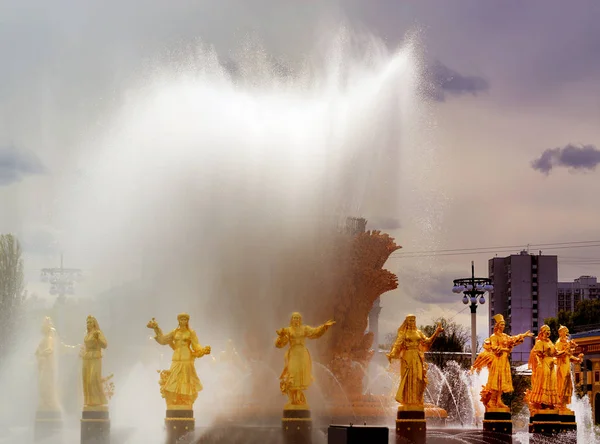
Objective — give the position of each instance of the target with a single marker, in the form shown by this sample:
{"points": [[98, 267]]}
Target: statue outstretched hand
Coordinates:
{"points": [[203, 351], [439, 329], [152, 324], [329, 323]]}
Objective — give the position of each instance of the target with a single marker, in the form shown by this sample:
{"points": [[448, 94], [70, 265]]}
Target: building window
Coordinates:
{"points": [[577, 377], [596, 376]]}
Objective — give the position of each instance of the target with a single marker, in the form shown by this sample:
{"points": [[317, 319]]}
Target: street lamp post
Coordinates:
{"points": [[62, 282], [473, 290]]}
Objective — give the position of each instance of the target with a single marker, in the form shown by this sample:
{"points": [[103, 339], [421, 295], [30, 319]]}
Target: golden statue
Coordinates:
{"points": [[95, 396], [542, 363], [410, 347], [297, 376], [46, 359], [180, 384], [494, 356], [565, 355]]}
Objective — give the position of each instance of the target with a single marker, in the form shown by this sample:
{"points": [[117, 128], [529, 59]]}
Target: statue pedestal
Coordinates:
{"points": [[178, 424], [498, 421], [47, 423], [296, 425], [411, 426], [351, 434], [497, 425], [567, 420], [545, 422], [95, 426]]}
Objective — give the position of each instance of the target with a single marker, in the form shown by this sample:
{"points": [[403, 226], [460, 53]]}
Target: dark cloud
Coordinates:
{"points": [[16, 164], [585, 157], [526, 49], [428, 288], [443, 81]]}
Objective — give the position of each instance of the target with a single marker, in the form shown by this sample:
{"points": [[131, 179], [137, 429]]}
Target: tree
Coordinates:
{"points": [[12, 294], [587, 312], [454, 338], [516, 398]]}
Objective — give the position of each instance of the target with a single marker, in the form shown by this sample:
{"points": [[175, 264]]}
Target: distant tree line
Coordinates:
{"points": [[587, 312], [12, 294]]}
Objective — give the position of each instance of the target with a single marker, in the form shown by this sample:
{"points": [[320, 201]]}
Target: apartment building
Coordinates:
{"points": [[525, 289], [570, 293]]}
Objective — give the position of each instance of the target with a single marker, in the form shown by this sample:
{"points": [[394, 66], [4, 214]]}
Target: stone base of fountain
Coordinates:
{"points": [[296, 425], [95, 427], [357, 409], [47, 424], [351, 434], [411, 427], [179, 424], [375, 409]]}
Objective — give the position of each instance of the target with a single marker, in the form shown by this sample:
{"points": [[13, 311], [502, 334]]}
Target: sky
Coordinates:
{"points": [[513, 117]]}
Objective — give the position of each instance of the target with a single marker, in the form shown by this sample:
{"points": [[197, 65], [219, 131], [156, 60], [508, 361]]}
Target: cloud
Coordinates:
{"points": [[585, 157], [426, 287], [16, 164], [443, 81]]}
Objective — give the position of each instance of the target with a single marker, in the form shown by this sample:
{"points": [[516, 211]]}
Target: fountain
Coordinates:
{"points": [[228, 194]]}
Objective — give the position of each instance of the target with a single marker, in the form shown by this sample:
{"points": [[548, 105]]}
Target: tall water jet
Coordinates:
{"points": [[225, 192]]}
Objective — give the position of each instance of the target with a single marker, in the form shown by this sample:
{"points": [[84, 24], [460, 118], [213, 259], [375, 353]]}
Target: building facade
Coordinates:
{"points": [[570, 293], [587, 374], [525, 289]]}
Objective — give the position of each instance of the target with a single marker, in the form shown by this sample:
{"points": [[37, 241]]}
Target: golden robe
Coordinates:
{"points": [[499, 378], [413, 373], [93, 387], [46, 357], [297, 371], [543, 377], [182, 385], [564, 380]]}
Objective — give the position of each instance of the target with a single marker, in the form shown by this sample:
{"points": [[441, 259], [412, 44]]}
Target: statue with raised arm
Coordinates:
{"points": [[565, 355], [46, 359], [180, 385], [410, 347], [95, 392], [495, 356], [297, 376]]}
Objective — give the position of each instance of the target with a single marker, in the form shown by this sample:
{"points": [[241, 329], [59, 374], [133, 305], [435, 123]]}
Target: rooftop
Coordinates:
{"points": [[586, 334]]}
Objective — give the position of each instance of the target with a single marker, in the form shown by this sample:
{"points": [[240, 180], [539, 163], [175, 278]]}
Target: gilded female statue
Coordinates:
{"points": [[180, 384], [297, 376], [94, 395], [543, 372], [565, 355], [46, 359], [410, 347], [495, 356]]}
